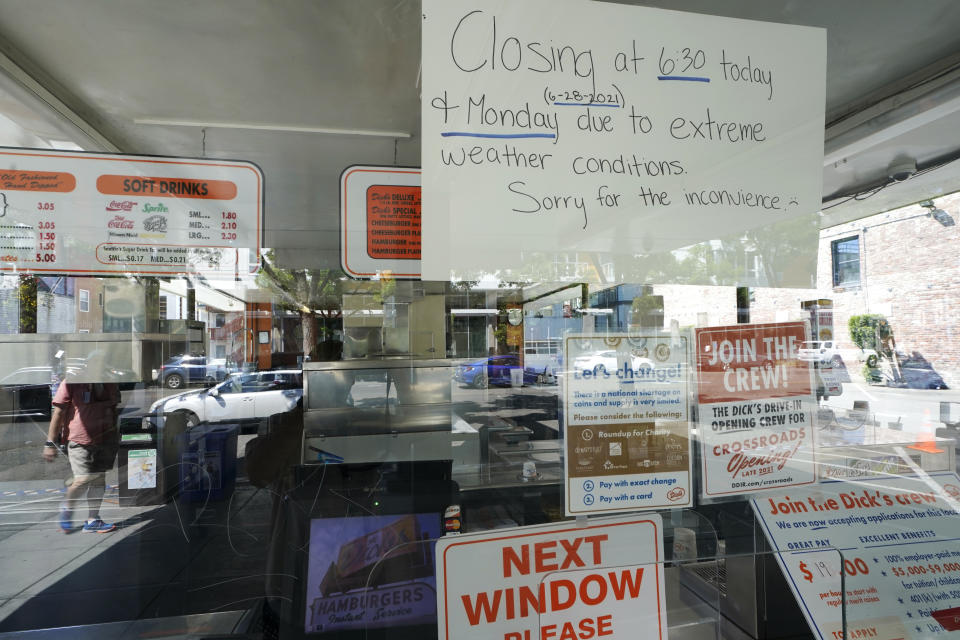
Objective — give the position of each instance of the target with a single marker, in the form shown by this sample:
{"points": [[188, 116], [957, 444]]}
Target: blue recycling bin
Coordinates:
{"points": [[208, 462]]}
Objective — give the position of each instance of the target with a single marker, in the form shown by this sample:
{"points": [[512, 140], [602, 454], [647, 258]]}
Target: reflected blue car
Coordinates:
{"points": [[495, 371]]}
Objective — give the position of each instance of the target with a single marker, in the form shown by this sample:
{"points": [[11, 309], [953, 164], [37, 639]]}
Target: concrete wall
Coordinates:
{"points": [[56, 313], [9, 304]]}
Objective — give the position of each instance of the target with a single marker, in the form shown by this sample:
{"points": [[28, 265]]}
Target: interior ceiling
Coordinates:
{"points": [[344, 64]]}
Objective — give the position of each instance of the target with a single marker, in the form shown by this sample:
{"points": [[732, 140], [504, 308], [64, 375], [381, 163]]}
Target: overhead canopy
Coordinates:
{"points": [[305, 89]]}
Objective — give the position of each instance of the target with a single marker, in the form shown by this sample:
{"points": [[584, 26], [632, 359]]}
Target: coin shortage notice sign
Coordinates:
{"points": [[756, 401], [625, 412], [558, 581], [893, 538], [77, 213]]}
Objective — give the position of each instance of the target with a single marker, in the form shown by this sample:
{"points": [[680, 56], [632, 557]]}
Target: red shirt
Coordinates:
{"points": [[93, 410]]}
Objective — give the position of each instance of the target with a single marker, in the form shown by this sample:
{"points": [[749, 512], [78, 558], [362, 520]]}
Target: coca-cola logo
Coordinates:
{"points": [[677, 493], [119, 222], [121, 205], [156, 223]]}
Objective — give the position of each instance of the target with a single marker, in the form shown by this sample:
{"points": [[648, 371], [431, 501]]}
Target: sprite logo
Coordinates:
{"points": [[155, 208]]}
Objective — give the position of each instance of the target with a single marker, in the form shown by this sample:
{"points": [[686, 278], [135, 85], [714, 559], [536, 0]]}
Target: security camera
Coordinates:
{"points": [[901, 170]]}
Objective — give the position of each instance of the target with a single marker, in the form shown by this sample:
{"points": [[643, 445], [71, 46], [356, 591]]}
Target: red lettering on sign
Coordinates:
{"points": [[545, 555], [483, 603], [586, 629], [591, 590]]}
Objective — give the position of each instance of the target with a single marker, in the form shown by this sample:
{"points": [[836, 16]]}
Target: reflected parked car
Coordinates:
{"points": [[183, 370], [918, 372], [28, 393], [496, 370], [819, 351], [608, 360], [241, 398]]}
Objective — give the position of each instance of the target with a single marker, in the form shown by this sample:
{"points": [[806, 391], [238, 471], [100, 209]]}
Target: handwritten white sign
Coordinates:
{"points": [[585, 126]]}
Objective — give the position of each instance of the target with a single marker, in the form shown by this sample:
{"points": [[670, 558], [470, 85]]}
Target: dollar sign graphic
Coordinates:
{"points": [[807, 575]]}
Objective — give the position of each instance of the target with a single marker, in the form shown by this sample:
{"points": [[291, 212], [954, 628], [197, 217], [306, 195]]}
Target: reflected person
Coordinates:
{"points": [[86, 414]]}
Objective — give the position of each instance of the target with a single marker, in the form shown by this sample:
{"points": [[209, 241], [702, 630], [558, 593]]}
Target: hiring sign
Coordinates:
{"points": [[86, 213], [756, 400], [893, 540], [554, 582]]}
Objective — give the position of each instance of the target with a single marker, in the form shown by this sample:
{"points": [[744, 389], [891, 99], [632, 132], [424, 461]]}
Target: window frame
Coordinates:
{"points": [[840, 267]]}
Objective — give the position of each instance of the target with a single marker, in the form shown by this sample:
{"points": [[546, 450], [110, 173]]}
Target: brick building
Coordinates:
{"points": [[903, 264]]}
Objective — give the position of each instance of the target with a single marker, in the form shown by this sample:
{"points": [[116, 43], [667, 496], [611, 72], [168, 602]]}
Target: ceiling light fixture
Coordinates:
{"points": [[259, 126]]}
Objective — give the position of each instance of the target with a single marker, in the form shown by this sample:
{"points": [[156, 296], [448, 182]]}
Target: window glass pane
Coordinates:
{"points": [[846, 261], [270, 443]]}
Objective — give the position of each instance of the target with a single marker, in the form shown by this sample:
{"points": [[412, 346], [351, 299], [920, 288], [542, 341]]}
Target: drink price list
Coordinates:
{"points": [[885, 552], [69, 212]]}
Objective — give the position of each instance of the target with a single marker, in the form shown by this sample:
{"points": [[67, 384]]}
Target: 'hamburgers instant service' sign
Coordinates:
{"points": [[554, 582]]}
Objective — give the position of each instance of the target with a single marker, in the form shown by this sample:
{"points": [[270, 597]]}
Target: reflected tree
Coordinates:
{"points": [[28, 304], [314, 294]]}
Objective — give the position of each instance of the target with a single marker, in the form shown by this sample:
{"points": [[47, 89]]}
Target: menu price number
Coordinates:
{"points": [[124, 258], [920, 570], [681, 61], [851, 567], [47, 235], [43, 224], [45, 206], [228, 225], [46, 257], [168, 259], [47, 246]]}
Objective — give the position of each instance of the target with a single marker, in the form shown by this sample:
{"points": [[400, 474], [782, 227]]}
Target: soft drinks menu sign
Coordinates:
{"points": [[591, 126], [85, 213]]}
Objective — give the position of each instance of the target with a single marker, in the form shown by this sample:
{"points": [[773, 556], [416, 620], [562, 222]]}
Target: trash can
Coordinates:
{"points": [[208, 462], [141, 477]]}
